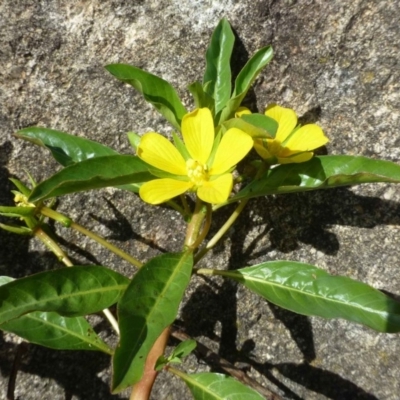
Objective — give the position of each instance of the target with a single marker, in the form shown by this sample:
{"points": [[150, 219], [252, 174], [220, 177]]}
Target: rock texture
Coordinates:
{"points": [[336, 63]]}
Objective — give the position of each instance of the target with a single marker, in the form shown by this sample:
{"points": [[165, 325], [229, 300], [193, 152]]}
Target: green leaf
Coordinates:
{"points": [[17, 211], [19, 230], [263, 122], [69, 149], [184, 348], [308, 290], [70, 292], [211, 386], [244, 81], [52, 330], [201, 97], [134, 140], [323, 172], [155, 90], [21, 187], [148, 306], [253, 130], [66, 149], [93, 173], [218, 68]]}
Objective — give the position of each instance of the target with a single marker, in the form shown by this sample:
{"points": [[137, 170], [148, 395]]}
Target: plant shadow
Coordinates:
{"points": [[284, 221]]}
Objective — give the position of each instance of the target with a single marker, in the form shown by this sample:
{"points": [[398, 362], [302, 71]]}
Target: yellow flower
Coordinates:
{"points": [[290, 145], [209, 176]]}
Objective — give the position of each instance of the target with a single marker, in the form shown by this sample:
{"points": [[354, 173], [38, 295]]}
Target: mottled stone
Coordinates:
{"points": [[336, 63]]}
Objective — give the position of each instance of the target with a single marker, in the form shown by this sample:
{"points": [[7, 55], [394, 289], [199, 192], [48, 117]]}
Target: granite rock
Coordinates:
{"points": [[336, 63]]}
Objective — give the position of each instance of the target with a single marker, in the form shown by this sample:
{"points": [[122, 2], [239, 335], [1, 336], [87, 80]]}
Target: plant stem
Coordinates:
{"points": [[142, 390], [193, 229], [48, 212], [224, 228], [56, 249]]}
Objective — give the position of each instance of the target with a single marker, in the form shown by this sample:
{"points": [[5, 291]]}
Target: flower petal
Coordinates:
{"points": [[286, 119], [234, 145], [261, 147], [159, 152], [306, 138], [298, 158], [198, 134], [216, 191], [242, 111], [160, 190]]}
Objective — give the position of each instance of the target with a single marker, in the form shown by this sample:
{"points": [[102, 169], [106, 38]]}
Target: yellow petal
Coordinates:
{"points": [[198, 133], [216, 191], [260, 146], [161, 190], [242, 111], [159, 152], [286, 119], [308, 137], [298, 158], [234, 145]]}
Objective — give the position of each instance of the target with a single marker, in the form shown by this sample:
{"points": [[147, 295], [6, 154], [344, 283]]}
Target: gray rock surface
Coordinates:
{"points": [[336, 63]]}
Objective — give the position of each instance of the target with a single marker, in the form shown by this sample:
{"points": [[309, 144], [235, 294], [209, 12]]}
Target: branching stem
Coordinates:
{"points": [[224, 228], [48, 212]]}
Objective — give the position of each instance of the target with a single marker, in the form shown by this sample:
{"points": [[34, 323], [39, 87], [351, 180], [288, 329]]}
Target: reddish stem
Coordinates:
{"points": [[142, 390]]}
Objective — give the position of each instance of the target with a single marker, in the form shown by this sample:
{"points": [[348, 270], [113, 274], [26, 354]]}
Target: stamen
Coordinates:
{"points": [[196, 172]]}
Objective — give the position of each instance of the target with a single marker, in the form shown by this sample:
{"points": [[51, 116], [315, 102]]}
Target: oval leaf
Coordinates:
{"points": [[323, 172], [93, 173], [52, 330], [66, 149], [217, 76], [308, 290], [155, 90], [70, 292], [149, 305], [211, 386]]}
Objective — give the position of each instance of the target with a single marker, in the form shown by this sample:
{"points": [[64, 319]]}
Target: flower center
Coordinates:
{"points": [[196, 172], [274, 147]]}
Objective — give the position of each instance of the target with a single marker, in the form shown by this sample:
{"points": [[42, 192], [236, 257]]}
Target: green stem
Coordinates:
{"points": [[185, 204], [69, 223], [176, 207], [224, 228], [194, 226], [56, 249]]}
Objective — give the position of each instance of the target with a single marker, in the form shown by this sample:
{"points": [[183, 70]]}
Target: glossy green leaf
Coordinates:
{"points": [[66, 149], [217, 76], [263, 122], [69, 149], [254, 131], [94, 173], [212, 386], [155, 90], [308, 290], [244, 81], [55, 331], [323, 172], [201, 98], [52, 330], [70, 292], [148, 306]]}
